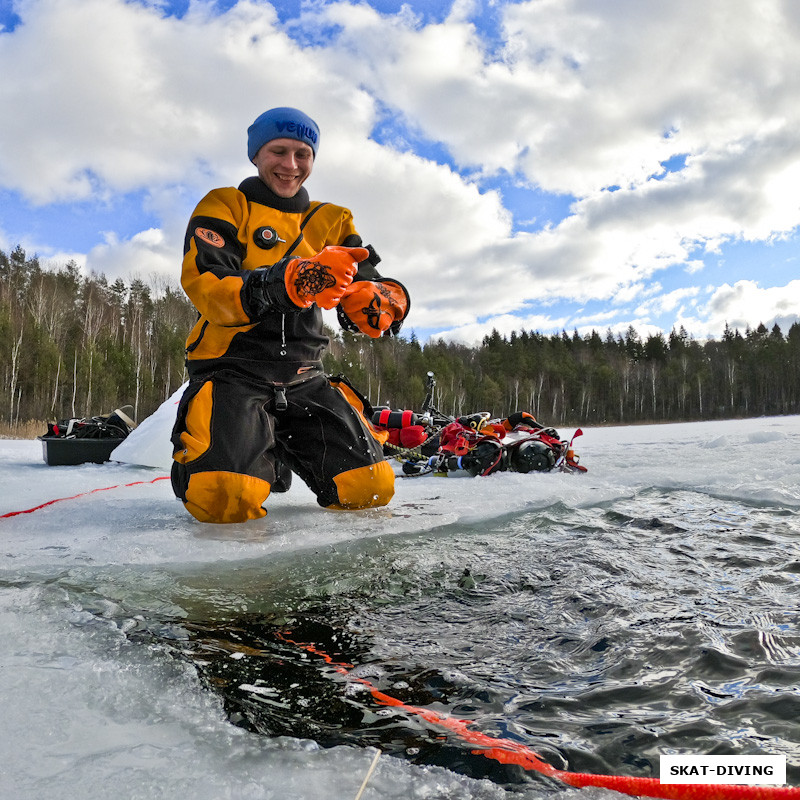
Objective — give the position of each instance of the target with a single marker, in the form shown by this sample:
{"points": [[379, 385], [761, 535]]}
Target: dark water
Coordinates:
{"points": [[600, 637]]}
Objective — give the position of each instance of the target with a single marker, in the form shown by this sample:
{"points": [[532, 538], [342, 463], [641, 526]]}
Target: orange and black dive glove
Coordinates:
{"points": [[376, 308], [323, 278], [294, 284]]}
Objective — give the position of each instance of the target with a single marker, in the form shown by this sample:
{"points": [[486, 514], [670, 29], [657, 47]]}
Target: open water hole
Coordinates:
{"points": [[599, 637]]}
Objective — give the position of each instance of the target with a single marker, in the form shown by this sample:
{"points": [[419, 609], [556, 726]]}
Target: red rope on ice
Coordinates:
{"points": [[507, 751], [82, 494]]}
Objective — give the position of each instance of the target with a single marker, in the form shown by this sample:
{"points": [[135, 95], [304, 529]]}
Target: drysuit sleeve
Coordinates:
{"points": [[212, 274]]}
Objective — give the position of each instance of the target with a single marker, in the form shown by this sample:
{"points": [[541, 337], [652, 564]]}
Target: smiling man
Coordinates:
{"points": [[284, 164], [260, 261]]}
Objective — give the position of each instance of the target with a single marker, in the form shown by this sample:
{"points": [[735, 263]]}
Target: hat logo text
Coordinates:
{"points": [[296, 127]]}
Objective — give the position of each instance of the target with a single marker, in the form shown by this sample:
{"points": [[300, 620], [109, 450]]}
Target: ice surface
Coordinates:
{"points": [[754, 459], [85, 714]]}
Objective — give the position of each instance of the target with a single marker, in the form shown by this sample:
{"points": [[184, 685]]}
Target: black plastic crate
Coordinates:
{"points": [[58, 451]]}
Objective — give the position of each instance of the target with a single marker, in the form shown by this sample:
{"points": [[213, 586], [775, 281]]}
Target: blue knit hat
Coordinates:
{"points": [[282, 123]]}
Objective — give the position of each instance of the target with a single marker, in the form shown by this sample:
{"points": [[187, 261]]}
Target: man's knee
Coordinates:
{"points": [[365, 487], [221, 497]]}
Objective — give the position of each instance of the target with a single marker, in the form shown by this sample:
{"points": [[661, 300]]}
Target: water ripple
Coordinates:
{"points": [[601, 636]]}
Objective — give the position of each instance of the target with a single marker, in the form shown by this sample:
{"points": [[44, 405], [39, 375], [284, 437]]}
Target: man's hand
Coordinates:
{"points": [[323, 278], [373, 307]]}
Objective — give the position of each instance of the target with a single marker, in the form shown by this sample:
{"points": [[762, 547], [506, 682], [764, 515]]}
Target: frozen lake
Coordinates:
{"points": [[647, 606]]}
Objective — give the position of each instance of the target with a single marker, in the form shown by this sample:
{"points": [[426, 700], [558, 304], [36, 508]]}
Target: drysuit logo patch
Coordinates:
{"points": [[212, 237]]}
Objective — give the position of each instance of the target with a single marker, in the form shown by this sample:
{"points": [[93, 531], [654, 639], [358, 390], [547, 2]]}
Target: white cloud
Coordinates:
{"points": [[145, 253], [472, 334], [587, 96], [669, 301], [747, 304], [164, 104], [579, 97], [127, 98]]}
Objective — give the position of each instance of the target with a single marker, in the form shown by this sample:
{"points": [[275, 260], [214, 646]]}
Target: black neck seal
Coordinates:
{"points": [[256, 191]]}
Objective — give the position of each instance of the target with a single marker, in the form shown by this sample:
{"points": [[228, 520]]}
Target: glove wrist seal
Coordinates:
{"points": [[264, 292]]}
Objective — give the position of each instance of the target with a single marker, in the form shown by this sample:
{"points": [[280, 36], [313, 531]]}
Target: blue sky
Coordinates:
{"points": [[534, 164]]}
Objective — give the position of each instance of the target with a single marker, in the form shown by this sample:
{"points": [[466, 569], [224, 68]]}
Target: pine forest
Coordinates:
{"points": [[77, 346]]}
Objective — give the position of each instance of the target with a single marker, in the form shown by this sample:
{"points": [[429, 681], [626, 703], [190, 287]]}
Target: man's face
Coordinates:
{"points": [[284, 164]]}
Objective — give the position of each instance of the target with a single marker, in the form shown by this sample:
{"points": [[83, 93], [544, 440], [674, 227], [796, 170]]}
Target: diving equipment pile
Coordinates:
{"points": [[79, 441], [430, 442]]}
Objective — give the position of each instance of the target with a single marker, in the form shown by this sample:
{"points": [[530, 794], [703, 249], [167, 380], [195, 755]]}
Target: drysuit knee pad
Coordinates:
{"points": [[371, 486], [225, 497]]}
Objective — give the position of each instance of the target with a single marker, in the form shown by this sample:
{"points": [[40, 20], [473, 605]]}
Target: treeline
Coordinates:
{"points": [[72, 345], [76, 346], [580, 380]]}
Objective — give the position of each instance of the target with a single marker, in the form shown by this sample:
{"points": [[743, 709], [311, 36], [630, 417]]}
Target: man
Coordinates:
{"points": [[259, 263]]}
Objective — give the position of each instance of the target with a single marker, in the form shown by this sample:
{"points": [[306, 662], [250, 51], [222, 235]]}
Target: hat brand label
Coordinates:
{"points": [[298, 128]]}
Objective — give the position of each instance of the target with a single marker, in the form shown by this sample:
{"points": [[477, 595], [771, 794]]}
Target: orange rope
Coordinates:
{"points": [[82, 494], [507, 751]]}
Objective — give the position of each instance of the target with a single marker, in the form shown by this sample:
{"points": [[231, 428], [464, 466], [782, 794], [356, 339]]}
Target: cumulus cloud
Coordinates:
{"points": [[127, 97], [583, 98], [145, 253], [745, 304], [472, 333], [570, 97], [670, 301]]}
